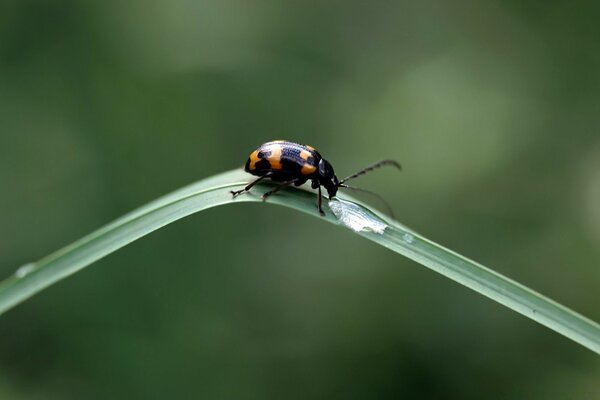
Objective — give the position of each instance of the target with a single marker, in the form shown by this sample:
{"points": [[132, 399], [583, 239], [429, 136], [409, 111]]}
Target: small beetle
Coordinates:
{"points": [[288, 162]]}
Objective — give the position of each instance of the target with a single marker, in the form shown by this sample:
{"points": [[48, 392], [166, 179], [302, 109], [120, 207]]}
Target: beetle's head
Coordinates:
{"points": [[327, 178]]}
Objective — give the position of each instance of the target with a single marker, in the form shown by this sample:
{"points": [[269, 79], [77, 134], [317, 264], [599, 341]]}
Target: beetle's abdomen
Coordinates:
{"points": [[285, 159]]}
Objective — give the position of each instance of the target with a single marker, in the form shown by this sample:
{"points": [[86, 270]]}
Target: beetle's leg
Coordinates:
{"points": [[277, 189], [300, 182], [320, 202], [249, 186]]}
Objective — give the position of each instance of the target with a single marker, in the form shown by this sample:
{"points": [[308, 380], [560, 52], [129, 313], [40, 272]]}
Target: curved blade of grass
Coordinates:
{"points": [[214, 191]]}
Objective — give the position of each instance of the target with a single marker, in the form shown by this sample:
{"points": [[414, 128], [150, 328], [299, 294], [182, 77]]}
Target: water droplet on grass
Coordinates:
{"points": [[24, 270], [408, 238], [356, 217]]}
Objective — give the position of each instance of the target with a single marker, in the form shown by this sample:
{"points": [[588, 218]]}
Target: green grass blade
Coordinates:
{"points": [[214, 191]]}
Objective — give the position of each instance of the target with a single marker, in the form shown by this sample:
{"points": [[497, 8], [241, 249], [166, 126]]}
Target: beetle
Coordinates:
{"points": [[292, 163]]}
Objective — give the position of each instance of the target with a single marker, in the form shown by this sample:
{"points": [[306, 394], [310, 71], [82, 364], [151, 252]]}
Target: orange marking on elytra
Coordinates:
{"points": [[275, 157], [308, 169], [305, 154], [253, 160]]}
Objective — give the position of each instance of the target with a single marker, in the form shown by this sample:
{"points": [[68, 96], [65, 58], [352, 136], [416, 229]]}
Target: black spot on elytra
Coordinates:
{"points": [[262, 165]]}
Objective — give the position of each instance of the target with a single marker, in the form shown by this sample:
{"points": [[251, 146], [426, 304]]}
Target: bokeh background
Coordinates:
{"points": [[493, 108]]}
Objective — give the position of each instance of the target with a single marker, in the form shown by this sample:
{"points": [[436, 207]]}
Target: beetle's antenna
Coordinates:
{"points": [[381, 199], [371, 168]]}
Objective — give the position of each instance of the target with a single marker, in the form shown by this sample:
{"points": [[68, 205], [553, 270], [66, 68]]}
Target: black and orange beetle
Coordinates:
{"points": [[293, 163]]}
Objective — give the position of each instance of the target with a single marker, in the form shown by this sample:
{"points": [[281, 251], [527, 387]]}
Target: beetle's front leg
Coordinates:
{"points": [[320, 202]]}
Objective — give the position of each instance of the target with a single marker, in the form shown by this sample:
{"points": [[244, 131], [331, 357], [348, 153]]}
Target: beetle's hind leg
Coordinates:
{"points": [[277, 189], [236, 193]]}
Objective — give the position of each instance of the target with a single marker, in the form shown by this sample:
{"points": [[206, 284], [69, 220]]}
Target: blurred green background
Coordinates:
{"points": [[493, 108]]}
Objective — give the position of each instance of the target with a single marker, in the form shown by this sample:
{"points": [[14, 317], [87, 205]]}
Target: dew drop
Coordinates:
{"points": [[24, 270], [408, 238], [355, 217]]}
